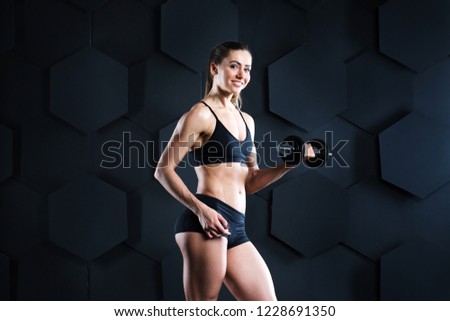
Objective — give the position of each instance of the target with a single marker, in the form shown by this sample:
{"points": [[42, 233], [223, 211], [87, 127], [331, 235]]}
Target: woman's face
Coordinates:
{"points": [[233, 74]]}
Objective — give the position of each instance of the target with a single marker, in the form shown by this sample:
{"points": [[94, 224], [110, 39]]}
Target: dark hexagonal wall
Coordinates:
{"points": [[52, 153], [309, 213], [415, 33], [296, 84], [18, 76], [202, 29], [379, 92], [257, 33], [6, 153], [151, 218], [123, 154], [47, 272], [4, 278], [431, 92], [161, 90], [417, 270], [90, 92], [23, 221], [89, 4], [378, 221], [415, 154], [353, 150], [128, 40], [87, 217], [340, 29], [142, 279], [6, 25], [49, 30], [431, 219], [336, 268]]}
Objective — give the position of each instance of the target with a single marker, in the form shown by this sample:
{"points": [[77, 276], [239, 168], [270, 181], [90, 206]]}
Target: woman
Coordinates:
{"points": [[219, 139]]}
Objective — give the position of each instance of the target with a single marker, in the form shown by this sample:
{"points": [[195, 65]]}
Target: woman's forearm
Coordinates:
{"points": [[172, 182], [260, 178]]}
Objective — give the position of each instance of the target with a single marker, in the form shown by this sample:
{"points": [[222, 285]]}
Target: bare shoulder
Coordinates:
{"points": [[200, 112], [249, 120], [197, 119]]}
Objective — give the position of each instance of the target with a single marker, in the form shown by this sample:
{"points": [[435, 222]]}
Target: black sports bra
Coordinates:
{"points": [[222, 146]]}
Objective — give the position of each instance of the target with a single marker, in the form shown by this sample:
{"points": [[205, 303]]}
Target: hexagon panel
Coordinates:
{"points": [[4, 278], [415, 154], [340, 29], [377, 228], [152, 213], [431, 92], [297, 83], [22, 222], [6, 153], [338, 267], [6, 25], [354, 152], [257, 218], [268, 40], [22, 89], [379, 92], [47, 272], [309, 213], [417, 270], [52, 153], [51, 30], [89, 90], [88, 217], [124, 274], [431, 220], [415, 33], [172, 276], [123, 154], [202, 29], [126, 30], [153, 83]]}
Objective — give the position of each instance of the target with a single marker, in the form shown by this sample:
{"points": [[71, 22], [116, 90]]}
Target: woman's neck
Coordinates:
{"points": [[221, 100]]}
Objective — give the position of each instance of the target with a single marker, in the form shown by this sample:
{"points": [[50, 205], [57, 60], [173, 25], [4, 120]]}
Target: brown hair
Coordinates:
{"points": [[217, 55]]}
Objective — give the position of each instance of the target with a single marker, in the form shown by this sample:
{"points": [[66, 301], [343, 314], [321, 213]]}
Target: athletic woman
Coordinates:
{"points": [[218, 139]]}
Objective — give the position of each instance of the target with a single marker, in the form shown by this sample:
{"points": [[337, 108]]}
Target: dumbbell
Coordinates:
{"points": [[292, 150]]}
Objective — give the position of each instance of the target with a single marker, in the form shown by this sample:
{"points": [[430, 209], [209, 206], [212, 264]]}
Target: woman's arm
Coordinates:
{"points": [[258, 178], [187, 134]]}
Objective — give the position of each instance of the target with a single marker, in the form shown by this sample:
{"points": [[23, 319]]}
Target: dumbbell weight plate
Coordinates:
{"points": [[290, 150]]}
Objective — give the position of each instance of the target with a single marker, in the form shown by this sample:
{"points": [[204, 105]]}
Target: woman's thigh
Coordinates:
{"points": [[204, 265], [247, 276]]}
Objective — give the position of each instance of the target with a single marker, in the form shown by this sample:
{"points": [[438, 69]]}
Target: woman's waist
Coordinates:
{"points": [[225, 182]]}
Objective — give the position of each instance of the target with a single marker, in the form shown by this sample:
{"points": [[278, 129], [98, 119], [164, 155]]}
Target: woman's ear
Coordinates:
{"points": [[213, 69]]}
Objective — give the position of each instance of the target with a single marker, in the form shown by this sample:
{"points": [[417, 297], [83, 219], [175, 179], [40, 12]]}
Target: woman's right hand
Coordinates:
{"points": [[212, 222]]}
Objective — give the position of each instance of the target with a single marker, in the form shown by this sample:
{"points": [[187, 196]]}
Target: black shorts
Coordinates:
{"points": [[188, 221]]}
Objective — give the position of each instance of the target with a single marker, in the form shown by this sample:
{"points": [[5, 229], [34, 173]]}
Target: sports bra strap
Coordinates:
{"points": [[209, 109], [217, 118]]}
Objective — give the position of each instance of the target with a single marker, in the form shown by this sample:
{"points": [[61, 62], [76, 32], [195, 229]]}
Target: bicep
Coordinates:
{"points": [[187, 134], [252, 161]]}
